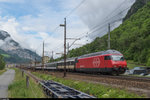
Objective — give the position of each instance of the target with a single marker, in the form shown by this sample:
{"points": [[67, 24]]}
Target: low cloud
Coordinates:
{"points": [[98, 13], [1, 42]]}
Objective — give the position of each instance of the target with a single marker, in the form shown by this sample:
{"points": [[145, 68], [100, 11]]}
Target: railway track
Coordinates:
{"points": [[121, 77], [127, 81], [138, 85], [140, 82], [56, 90]]}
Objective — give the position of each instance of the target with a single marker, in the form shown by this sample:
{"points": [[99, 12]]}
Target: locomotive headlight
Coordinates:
{"points": [[115, 66]]}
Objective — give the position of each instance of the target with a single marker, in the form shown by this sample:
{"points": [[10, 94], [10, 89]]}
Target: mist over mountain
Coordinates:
{"points": [[98, 15], [9, 48], [134, 8]]}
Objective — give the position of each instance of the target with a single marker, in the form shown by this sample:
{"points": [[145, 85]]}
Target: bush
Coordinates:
{"points": [[2, 63], [148, 62]]}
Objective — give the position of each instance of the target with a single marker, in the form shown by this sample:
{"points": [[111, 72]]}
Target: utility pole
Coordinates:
{"points": [[52, 54], [68, 48], [109, 36], [35, 59], [43, 57], [30, 60], [64, 25], [27, 81], [51, 59]]}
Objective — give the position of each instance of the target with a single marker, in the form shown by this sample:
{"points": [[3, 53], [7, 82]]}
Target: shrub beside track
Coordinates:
{"points": [[18, 88]]}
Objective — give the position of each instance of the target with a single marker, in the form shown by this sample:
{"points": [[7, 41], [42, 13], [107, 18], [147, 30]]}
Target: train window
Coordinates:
{"points": [[76, 60], [68, 63], [72, 63], [117, 58], [107, 58]]}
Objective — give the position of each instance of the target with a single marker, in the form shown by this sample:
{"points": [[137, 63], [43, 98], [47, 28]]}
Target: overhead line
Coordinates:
{"points": [[107, 20], [113, 11], [94, 27], [112, 17], [104, 24], [75, 8], [67, 16]]}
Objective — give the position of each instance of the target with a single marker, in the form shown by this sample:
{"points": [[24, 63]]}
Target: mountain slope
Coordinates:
{"points": [[12, 51], [137, 5], [131, 38]]}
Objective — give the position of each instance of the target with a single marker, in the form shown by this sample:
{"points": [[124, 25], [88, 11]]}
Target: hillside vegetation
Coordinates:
{"points": [[12, 58], [2, 63], [137, 5], [131, 38]]}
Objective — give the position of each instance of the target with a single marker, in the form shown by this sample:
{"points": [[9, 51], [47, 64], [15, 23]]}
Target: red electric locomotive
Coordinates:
{"points": [[110, 62]]}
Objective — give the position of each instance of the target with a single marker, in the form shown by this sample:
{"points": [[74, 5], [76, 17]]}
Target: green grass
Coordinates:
{"points": [[2, 71], [96, 90], [5, 55], [132, 64], [18, 88]]}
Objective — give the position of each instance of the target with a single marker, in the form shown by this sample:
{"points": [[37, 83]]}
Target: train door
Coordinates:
{"points": [[106, 62]]}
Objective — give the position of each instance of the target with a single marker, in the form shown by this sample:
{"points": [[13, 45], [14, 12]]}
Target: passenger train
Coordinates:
{"points": [[105, 62]]}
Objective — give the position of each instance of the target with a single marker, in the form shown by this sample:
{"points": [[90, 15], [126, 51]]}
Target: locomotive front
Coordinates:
{"points": [[119, 64]]}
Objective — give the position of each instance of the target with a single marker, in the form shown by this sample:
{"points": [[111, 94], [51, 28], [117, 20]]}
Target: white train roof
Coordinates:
{"points": [[100, 53]]}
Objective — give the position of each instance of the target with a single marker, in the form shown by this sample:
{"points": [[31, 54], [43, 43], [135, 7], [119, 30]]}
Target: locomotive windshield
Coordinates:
{"points": [[117, 58]]}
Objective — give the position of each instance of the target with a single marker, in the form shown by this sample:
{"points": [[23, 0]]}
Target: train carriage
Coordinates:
{"points": [[70, 64], [51, 66]]}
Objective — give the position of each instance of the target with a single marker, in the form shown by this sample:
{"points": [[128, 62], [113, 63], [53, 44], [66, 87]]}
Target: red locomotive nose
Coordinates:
{"points": [[118, 61], [121, 64]]}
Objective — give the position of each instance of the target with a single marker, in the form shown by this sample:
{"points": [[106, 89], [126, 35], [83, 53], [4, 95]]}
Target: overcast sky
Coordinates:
{"points": [[29, 22]]}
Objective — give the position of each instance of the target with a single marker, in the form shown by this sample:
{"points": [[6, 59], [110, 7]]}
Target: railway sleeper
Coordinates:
{"points": [[57, 90]]}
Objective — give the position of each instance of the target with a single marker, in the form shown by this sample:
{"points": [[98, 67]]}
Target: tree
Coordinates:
{"points": [[148, 62], [2, 63]]}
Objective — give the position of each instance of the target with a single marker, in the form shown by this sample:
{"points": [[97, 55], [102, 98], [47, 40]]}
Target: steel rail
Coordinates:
{"points": [[57, 90]]}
